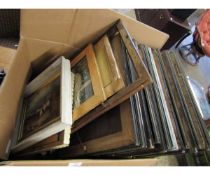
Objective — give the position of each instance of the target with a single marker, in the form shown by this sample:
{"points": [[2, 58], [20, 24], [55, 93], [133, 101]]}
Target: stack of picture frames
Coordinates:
{"points": [[129, 100], [163, 118], [140, 126], [98, 82]]}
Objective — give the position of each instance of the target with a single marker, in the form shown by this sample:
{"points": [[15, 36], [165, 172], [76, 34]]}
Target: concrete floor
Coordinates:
{"points": [[201, 72]]}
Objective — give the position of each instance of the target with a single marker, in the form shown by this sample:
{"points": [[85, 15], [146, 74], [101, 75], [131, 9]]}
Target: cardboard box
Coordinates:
{"points": [[6, 57], [84, 162], [45, 33]]}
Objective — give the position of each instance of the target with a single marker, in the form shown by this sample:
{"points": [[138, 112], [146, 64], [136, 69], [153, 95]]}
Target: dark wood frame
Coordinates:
{"points": [[56, 141], [122, 138]]}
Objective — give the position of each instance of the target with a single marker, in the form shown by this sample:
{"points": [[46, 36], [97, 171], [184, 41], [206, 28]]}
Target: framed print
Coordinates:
{"points": [[47, 105], [110, 73], [88, 86]]}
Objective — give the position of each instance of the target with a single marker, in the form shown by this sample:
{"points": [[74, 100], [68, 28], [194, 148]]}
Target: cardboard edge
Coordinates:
{"points": [[11, 89], [85, 162]]}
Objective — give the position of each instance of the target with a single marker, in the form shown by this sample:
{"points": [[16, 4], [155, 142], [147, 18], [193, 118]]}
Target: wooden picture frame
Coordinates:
{"points": [[108, 67], [98, 94], [55, 116], [121, 137]]}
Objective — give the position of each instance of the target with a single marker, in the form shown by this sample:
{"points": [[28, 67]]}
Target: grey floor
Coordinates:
{"points": [[200, 72]]}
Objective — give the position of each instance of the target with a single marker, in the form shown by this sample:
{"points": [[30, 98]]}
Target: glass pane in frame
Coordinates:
{"points": [[83, 88], [42, 107]]}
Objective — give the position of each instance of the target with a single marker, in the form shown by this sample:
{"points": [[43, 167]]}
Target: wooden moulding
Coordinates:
{"points": [[138, 63], [174, 113], [175, 105], [109, 87], [192, 109]]}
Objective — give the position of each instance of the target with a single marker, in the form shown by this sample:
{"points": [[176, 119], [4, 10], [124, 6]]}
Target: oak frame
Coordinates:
{"points": [[110, 73], [99, 94]]}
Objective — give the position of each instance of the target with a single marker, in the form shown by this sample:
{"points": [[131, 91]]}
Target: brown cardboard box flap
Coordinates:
{"points": [[6, 57], [76, 27], [10, 92]]}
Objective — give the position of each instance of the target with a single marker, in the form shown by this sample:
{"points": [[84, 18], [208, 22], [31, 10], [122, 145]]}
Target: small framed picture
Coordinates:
{"points": [[47, 105], [88, 86]]}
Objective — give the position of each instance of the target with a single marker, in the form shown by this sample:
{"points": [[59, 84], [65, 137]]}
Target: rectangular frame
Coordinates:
{"points": [[99, 95], [61, 67], [122, 138]]}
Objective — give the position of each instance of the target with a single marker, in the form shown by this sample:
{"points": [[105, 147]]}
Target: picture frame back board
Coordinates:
{"points": [[117, 134]]}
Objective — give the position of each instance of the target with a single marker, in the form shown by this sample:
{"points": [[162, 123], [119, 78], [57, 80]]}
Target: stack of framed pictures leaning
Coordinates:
{"points": [[161, 119], [117, 112], [99, 85]]}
